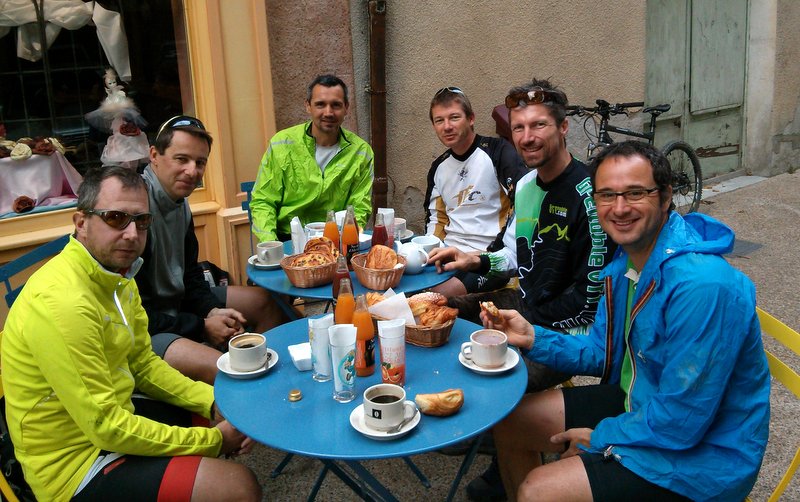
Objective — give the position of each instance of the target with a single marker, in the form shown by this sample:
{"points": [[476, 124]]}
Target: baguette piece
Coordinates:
{"points": [[441, 404]]}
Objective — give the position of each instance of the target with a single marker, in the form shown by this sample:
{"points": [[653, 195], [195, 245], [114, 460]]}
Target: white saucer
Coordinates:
{"points": [[357, 421], [512, 358], [408, 234], [254, 261], [224, 365]]}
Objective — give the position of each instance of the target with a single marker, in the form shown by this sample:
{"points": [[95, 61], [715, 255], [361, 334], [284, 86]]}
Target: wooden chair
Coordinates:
{"points": [[784, 374], [25, 261]]}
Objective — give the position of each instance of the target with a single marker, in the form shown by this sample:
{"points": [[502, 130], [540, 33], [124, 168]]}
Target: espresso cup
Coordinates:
{"points": [[270, 252], [385, 406], [247, 352], [486, 348], [427, 242]]}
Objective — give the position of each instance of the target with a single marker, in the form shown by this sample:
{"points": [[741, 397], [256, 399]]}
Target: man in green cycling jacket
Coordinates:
{"points": [[313, 167]]}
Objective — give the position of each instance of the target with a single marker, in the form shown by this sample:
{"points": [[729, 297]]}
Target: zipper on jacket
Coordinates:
{"points": [[608, 454]]}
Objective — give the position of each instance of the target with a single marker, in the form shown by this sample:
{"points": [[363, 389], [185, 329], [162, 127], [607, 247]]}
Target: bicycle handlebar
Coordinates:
{"points": [[603, 108]]}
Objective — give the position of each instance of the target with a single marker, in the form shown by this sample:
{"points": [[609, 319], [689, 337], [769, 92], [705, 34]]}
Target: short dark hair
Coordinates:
{"points": [[662, 173], [327, 80], [447, 95], [166, 132], [556, 101], [89, 189]]}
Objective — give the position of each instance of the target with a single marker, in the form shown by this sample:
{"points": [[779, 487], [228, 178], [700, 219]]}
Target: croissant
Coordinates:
{"points": [[421, 302], [373, 298], [437, 315], [381, 258], [493, 314], [441, 404]]}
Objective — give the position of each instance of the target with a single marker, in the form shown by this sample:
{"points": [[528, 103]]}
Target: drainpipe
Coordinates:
{"points": [[377, 92]]}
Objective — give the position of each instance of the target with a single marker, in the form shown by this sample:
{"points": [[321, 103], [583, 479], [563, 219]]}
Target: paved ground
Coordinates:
{"points": [[766, 218]]}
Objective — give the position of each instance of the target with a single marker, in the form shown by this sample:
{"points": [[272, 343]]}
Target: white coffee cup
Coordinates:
{"points": [[247, 352], [399, 228], [486, 348], [385, 406], [427, 242], [315, 229], [416, 257], [270, 252]]}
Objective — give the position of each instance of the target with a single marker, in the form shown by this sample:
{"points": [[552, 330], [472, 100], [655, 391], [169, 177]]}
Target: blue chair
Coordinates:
{"points": [[25, 261]]}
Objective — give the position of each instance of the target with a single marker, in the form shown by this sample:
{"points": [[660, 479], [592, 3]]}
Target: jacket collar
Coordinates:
{"points": [[158, 194], [76, 252]]}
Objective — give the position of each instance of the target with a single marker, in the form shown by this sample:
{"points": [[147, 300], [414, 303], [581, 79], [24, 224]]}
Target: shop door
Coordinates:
{"points": [[696, 63]]}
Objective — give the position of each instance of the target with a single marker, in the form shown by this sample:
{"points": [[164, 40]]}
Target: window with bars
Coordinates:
{"points": [[50, 97]]}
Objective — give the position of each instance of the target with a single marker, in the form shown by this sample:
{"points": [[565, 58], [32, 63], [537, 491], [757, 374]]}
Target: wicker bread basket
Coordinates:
{"points": [[308, 277], [423, 336], [378, 280]]}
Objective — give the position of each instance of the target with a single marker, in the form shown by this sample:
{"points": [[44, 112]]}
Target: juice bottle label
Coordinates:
{"points": [[365, 357]]}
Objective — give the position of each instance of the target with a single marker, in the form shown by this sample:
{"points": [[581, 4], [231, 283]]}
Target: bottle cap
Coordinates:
{"points": [[295, 395]]}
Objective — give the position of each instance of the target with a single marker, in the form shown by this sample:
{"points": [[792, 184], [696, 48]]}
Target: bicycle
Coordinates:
{"points": [[687, 179]]}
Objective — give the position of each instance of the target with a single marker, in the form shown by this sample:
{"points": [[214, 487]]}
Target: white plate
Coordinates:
{"points": [[357, 421], [408, 234], [254, 261], [224, 365], [512, 358]]}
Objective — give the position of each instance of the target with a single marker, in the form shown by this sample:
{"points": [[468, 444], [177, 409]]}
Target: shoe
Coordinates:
{"points": [[488, 487]]}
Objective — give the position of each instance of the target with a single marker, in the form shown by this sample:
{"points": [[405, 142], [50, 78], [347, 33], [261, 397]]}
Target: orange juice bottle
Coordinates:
{"points": [[349, 235], [365, 338], [345, 304], [331, 228]]}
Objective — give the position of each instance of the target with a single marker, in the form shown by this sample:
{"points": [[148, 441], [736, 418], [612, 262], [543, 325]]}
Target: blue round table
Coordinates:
{"points": [[317, 426]]}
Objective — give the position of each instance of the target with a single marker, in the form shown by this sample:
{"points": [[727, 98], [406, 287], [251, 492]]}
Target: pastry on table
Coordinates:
{"points": [[440, 404], [381, 258]]}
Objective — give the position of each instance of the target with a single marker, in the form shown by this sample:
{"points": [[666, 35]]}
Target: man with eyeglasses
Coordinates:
{"points": [[470, 188], [313, 167], [75, 348], [189, 321], [682, 410], [553, 243]]}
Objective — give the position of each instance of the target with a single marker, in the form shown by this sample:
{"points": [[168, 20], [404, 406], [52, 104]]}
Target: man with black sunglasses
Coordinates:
{"points": [[313, 167], [75, 348], [470, 188], [189, 321], [553, 243]]}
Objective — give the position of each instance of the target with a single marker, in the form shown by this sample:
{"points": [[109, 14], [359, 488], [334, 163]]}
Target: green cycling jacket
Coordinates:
{"points": [[290, 183], [74, 348]]}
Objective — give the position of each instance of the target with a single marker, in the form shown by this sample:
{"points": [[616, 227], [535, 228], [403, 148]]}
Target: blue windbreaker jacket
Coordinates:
{"points": [[699, 416]]}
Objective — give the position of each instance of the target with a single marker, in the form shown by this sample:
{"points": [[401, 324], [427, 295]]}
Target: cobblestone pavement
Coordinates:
{"points": [[766, 218]]}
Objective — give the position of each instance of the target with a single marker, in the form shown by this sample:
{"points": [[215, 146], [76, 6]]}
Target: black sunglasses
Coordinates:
{"points": [[180, 121], [454, 90], [120, 219], [532, 97]]}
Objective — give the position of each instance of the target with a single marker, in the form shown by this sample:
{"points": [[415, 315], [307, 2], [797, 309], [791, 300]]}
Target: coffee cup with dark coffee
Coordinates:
{"points": [[385, 406], [247, 352]]}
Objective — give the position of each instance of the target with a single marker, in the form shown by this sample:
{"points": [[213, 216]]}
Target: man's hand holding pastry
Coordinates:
{"points": [[516, 327]]}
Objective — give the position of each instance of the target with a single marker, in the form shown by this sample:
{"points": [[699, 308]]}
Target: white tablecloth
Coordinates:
{"points": [[50, 180]]}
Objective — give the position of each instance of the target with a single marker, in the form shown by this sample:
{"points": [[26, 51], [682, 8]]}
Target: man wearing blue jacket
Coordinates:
{"points": [[682, 411]]}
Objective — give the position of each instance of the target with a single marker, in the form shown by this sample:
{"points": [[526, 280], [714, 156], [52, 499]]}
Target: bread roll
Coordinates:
{"points": [[322, 245], [312, 259], [381, 258], [441, 404]]}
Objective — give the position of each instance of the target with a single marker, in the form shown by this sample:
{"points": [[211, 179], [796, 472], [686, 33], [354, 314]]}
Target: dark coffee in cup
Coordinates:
{"points": [[385, 399]]}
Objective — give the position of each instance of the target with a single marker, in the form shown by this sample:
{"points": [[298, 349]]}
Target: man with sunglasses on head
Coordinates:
{"points": [[682, 410], [470, 188], [314, 167], [189, 321], [75, 347], [553, 243]]}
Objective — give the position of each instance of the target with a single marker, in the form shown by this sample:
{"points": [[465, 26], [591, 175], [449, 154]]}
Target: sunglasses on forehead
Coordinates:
{"points": [[180, 121], [120, 219], [454, 90], [524, 98]]}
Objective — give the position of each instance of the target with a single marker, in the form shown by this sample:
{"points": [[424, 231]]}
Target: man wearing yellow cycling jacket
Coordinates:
{"points": [[74, 348], [313, 167]]}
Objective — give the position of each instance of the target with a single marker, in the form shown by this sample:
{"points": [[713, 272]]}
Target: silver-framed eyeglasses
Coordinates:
{"points": [[120, 219], [606, 198]]}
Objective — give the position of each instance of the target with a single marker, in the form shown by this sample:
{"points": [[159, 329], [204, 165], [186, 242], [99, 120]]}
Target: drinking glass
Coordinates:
{"points": [[319, 340], [343, 360]]}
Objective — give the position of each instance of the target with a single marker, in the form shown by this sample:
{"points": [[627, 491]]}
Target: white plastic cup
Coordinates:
{"points": [[392, 337]]}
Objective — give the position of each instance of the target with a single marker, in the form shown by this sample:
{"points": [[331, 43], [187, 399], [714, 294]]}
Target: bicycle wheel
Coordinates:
{"points": [[687, 179]]}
